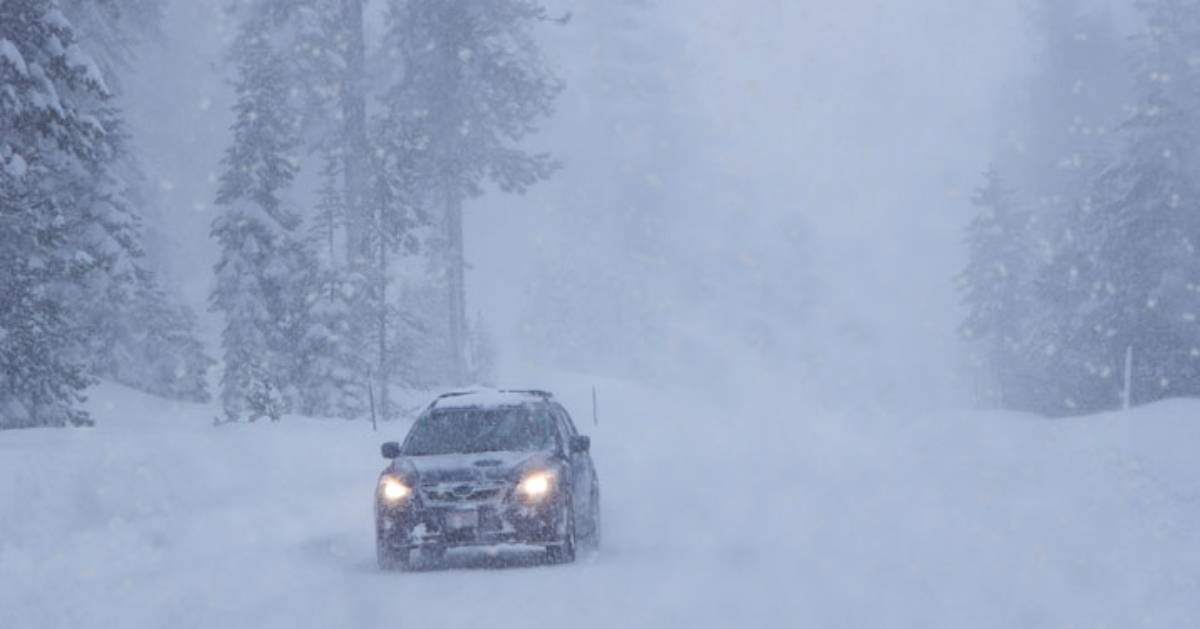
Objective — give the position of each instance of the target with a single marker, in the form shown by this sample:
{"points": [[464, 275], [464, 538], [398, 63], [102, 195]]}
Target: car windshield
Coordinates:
{"points": [[466, 430]]}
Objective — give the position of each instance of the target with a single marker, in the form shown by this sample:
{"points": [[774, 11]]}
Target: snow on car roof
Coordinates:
{"points": [[488, 398]]}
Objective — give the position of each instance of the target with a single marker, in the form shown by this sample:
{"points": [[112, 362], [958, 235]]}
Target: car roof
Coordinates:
{"points": [[490, 398]]}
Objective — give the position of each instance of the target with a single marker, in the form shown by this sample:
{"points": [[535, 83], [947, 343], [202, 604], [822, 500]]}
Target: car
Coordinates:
{"points": [[487, 468]]}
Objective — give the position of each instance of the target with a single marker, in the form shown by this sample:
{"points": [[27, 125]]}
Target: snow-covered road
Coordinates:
{"points": [[715, 515]]}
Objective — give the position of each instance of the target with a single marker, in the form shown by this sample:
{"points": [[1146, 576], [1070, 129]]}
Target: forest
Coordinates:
{"points": [[359, 138], [340, 204], [599, 313], [1083, 281]]}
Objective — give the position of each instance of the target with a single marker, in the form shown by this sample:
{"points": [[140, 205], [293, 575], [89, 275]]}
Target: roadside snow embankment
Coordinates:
{"points": [[716, 514], [95, 524]]}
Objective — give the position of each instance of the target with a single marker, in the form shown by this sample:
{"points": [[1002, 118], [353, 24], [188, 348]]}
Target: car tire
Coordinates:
{"points": [[391, 559], [564, 551], [591, 541]]}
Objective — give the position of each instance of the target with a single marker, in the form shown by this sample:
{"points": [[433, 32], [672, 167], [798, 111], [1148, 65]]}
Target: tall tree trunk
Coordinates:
{"points": [[354, 112], [381, 281], [449, 136], [455, 285]]}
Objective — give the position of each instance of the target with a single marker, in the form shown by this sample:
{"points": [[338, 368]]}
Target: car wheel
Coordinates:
{"points": [[391, 560], [389, 557], [591, 541], [564, 552]]}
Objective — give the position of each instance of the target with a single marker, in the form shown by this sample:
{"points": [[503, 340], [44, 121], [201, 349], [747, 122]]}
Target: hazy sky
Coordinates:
{"points": [[866, 122]]}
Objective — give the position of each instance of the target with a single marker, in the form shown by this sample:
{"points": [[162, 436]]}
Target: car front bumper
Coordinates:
{"points": [[412, 525]]}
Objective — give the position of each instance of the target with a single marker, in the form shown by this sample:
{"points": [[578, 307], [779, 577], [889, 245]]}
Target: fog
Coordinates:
{"points": [[857, 128], [828, 267], [819, 155]]}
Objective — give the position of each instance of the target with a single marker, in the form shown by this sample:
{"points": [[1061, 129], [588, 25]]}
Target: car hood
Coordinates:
{"points": [[444, 468]]}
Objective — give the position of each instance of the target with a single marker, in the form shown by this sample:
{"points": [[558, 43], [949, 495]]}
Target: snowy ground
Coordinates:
{"points": [[716, 515]]}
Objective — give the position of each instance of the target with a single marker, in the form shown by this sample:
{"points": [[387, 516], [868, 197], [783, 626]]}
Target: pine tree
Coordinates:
{"points": [[360, 209], [135, 334], [333, 379], [482, 368], [129, 323], [263, 276], [343, 325], [1145, 296], [57, 134], [1061, 146], [475, 84], [326, 45], [42, 375], [138, 338], [113, 30], [1071, 103], [995, 284], [398, 188], [364, 313]]}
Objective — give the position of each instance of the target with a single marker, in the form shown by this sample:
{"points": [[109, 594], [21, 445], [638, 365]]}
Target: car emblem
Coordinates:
{"points": [[462, 490]]}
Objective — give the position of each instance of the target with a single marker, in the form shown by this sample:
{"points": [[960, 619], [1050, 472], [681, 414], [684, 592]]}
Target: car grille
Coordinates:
{"points": [[458, 493]]}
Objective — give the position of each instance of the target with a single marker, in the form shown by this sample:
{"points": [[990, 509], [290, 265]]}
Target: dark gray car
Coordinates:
{"points": [[486, 468]]}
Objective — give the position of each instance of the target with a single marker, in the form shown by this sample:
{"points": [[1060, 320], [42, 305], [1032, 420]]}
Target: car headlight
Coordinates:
{"points": [[536, 485], [393, 489]]}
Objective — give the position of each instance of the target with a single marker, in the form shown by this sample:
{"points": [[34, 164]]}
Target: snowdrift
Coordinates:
{"points": [[750, 513]]}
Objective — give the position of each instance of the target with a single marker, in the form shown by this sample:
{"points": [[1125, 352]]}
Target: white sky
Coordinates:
{"points": [[867, 120]]}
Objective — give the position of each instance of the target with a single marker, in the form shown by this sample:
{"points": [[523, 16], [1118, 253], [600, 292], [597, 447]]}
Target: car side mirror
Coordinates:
{"points": [[390, 450], [581, 443]]}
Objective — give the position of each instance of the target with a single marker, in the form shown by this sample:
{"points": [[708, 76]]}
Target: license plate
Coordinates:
{"points": [[462, 519]]}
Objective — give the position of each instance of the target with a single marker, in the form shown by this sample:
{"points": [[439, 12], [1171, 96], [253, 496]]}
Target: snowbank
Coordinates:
{"points": [[717, 514]]}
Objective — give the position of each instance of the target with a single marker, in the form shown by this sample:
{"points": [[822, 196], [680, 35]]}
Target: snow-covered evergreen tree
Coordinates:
{"points": [[475, 84], [332, 357], [1145, 294], [1051, 361], [996, 285], [145, 342], [57, 134], [388, 232], [482, 352], [133, 332], [357, 306], [1070, 104], [264, 274], [114, 30], [334, 374], [136, 332]]}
